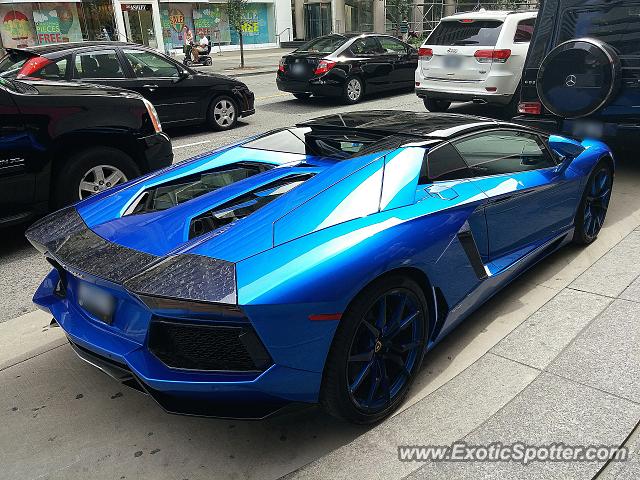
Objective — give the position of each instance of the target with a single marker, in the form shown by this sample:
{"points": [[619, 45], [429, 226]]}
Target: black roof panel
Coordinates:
{"points": [[418, 124]]}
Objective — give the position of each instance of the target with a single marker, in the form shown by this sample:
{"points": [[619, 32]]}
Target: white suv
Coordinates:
{"points": [[474, 56]]}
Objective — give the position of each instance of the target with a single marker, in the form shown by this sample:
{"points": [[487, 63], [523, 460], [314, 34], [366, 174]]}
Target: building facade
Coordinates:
{"points": [[155, 23]]}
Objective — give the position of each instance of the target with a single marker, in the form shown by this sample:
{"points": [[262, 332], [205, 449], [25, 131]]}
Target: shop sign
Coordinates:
{"points": [[176, 19], [135, 7]]}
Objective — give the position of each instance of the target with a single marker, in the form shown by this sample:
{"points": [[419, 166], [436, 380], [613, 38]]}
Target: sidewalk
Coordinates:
{"points": [[568, 374], [257, 62]]}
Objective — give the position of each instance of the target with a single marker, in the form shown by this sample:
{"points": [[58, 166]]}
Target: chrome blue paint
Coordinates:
{"points": [[313, 249]]}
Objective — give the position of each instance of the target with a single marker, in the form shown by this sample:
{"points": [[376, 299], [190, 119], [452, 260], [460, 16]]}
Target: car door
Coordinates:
{"points": [[164, 83], [531, 199], [375, 67], [404, 59], [20, 160], [102, 66]]}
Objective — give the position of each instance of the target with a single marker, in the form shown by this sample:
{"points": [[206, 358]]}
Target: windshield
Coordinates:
{"points": [[12, 62], [466, 32], [337, 144], [323, 45]]}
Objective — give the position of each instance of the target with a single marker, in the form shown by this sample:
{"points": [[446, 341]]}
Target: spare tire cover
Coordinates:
{"points": [[578, 78]]}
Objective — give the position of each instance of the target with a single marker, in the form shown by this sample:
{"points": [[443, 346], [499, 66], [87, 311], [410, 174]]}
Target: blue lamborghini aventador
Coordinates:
{"points": [[316, 263]]}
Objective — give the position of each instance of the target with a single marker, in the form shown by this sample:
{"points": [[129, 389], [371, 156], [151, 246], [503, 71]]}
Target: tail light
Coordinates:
{"points": [[530, 108], [425, 53], [33, 65], [281, 65], [324, 66], [492, 56]]}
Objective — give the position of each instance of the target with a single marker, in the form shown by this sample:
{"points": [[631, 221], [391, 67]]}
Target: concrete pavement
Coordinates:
{"points": [[257, 62]]}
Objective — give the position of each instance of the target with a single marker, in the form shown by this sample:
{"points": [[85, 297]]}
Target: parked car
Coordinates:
{"points": [[348, 66], [315, 263], [181, 95], [61, 142], [581, 74], [475, 56]]}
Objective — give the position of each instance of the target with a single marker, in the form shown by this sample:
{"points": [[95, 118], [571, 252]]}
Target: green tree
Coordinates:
{"points": [[236, 10]]}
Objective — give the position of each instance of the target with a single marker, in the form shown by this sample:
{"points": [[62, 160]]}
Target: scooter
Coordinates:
{"points": [[203, 59]]}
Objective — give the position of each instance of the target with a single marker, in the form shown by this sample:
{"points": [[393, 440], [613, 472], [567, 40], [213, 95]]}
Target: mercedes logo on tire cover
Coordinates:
{"points": [[578, 78]]}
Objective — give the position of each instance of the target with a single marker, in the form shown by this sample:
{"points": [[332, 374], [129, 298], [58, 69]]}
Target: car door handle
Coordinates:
{"points": [[150, 87]]}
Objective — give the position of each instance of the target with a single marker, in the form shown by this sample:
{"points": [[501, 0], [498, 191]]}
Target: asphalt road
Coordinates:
{"points": [[21, 268]]}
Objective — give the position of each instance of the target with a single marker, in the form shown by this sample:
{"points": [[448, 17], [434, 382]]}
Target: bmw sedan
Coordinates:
{"points": [[348, 67], [181, 95], [316, 263]]}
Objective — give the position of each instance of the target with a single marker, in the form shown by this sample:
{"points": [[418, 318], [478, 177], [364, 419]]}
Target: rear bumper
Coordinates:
{"points": [[246, 395], [325, 86], [480, 95]]}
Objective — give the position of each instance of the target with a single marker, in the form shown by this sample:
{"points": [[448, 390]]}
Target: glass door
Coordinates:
{"points": [[138, 24], [318, 19]]}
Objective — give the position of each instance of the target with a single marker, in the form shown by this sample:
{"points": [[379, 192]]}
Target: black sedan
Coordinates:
{"points": [[348, 66], [181, 95]]}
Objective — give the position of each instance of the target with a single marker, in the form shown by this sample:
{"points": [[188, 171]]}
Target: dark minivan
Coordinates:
{"points": [[582, 73]]}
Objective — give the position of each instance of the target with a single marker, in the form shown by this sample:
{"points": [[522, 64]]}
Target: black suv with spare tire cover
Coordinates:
{"points": [[61, 142], [582, 73]]}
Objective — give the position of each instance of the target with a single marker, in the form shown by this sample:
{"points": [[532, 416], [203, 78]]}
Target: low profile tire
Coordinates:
{"points": [[435, 105], [91, 171], [592, 211], [223, 113], [353, 91], [376, 351], [302, 96]]}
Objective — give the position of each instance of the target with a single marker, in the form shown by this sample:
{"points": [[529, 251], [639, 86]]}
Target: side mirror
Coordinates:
{"points": [[566, 149], [182, 75]]}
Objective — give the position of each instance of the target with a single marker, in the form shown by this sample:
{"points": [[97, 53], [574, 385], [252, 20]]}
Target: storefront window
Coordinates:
{"points": [[358, 16], [211, 19], [26, 24]]}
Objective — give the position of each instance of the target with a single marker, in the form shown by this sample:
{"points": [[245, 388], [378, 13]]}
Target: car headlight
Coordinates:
{"points": [[155, 120]]}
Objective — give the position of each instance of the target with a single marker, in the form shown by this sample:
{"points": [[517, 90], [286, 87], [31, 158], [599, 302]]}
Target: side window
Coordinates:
{"points": [[53, 71], [98, 64], [524, 32], [366, 46], [391, 45], [146, 64], [443, 163], [503, 151]]}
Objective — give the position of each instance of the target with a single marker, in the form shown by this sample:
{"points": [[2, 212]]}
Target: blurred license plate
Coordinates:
{"points": [[96, 301], [452, 61], [586, 128], [297, 68]]}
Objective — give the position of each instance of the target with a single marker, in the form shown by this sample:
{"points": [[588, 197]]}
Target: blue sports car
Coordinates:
{"points": [[313, 264]]}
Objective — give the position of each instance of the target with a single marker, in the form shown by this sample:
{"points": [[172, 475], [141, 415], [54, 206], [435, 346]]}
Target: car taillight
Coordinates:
{"points": [[425, 53], [492, 56], [33, 65], [530, 108], [324, 66], [281, 65]]}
